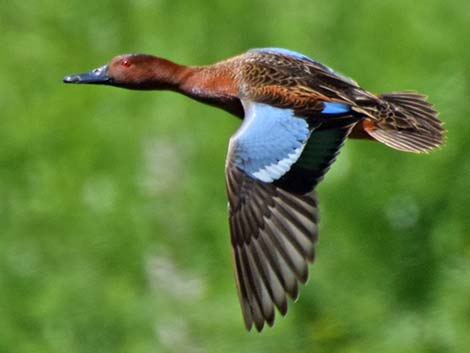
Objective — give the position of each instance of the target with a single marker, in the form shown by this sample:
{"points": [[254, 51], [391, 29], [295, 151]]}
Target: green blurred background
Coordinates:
{"points": [[113, 231]]}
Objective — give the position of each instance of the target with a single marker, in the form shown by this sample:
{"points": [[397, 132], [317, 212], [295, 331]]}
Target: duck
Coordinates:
{"points": [[296, 114]]}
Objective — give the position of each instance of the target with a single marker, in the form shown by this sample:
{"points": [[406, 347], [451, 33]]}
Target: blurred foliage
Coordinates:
{"points": [[113, 232]]}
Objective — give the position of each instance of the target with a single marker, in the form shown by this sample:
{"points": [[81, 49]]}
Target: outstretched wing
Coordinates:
{"points": [[273, 225], [273, 233]]}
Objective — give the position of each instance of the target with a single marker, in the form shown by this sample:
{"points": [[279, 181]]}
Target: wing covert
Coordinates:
{"points": [[269, 141]]}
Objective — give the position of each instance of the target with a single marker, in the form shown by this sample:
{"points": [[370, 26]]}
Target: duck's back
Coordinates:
{"points": [[288, 79]]}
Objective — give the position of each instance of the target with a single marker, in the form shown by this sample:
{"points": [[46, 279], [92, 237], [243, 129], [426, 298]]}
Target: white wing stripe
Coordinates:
{"points": [[275, 170]]}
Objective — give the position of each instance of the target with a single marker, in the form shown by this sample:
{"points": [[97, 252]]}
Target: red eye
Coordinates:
{"points": [[126, 63]]}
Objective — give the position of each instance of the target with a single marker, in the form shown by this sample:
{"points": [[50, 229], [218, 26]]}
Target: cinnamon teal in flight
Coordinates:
{"points": [[296, 114]]}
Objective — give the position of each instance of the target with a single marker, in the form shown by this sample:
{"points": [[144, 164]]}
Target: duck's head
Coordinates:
{"points": [[133, 71]]}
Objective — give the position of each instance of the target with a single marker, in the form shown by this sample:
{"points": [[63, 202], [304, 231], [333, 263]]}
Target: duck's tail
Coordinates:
{"points": [[404, 121]]}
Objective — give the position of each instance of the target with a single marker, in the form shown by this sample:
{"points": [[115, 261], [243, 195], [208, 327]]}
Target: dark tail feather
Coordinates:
{"points": [[405, 121]]}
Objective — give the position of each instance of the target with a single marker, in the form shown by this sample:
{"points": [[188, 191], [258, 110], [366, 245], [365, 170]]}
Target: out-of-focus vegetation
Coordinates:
{"points": [[113, 232]]}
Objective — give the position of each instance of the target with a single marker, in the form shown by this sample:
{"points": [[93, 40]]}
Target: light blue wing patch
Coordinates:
{"points": [[335, 108], [269, 141]]}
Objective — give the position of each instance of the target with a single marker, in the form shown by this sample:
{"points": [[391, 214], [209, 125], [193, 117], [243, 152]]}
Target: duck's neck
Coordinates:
{"points": [[214, 84]]}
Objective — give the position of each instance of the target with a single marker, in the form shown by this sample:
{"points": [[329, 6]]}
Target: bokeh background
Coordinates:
{"points": [[113, 231]]}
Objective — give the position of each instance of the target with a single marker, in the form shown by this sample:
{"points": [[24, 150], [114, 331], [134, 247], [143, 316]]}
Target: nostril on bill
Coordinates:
{"points": [[71, 78]]}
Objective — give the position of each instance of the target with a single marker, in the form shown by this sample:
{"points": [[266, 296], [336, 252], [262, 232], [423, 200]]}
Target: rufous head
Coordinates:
{"points": [[133, 71]]}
